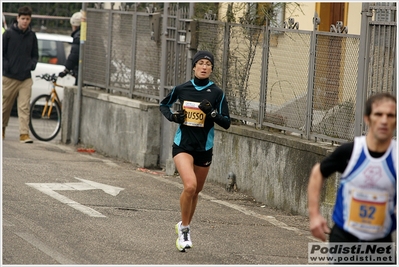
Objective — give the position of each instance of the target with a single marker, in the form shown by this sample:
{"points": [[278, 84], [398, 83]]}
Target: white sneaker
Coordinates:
{"points": [[183, 240]]}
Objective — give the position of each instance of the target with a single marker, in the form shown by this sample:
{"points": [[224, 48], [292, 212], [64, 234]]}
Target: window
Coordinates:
{"points": [[47, 51]]}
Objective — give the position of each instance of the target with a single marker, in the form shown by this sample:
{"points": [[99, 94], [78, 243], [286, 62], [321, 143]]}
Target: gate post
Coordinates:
{"points": [[191, 39], [264, 75], [164, 158], [311, 72], [362, 75]]}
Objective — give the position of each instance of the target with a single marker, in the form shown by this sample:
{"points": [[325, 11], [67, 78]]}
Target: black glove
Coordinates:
{"points": [[62, 74], [178, 116], [205, 106]]}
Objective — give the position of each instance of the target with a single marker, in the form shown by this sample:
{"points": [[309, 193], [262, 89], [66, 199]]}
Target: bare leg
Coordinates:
{"points": [[201, 174], [193, 178]]}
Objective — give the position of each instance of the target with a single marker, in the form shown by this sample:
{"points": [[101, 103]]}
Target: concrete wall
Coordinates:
{"points": [[115, 126], [272, 167]]}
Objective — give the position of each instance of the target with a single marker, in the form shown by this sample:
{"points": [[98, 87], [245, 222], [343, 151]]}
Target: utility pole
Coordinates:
{"points": [[83, 32]]}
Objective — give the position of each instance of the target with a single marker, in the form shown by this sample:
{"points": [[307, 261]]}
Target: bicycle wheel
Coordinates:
{"points": [[43, 123]]}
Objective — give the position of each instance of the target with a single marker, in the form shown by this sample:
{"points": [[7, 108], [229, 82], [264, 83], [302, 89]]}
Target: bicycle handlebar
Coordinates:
{"points": [[48, 77]]}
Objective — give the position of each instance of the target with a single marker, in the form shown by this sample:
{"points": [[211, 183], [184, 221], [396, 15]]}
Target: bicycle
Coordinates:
{"points": [[45, 112]]}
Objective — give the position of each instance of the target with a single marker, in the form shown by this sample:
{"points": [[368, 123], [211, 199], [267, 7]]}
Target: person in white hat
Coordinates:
{"points": [[72, 62]]}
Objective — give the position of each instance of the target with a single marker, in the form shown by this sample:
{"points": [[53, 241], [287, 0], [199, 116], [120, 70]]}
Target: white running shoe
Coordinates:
{"points": [[183, 240]]}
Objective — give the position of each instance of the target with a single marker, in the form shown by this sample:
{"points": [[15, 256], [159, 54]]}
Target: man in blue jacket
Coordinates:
{"points": [[20, 56], [72, 62]]}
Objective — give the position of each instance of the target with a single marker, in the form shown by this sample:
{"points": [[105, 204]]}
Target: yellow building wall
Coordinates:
{"points": [[354, 17], [303, 14], [239, 9]]}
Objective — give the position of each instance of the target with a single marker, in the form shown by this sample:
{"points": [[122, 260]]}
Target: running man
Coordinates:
{"points": [[368, 184]]}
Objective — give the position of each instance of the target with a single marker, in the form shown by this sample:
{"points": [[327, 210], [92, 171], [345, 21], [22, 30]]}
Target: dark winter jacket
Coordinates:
{"points": [[20, 53], [72, 62]]}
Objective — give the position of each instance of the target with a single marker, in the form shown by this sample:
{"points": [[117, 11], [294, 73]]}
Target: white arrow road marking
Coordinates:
{"points": [[50, 188], [112, 190]]}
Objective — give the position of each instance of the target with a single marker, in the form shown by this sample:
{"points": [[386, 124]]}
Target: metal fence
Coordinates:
{"points": [[377, 60], [118, 56], [305, 83]]}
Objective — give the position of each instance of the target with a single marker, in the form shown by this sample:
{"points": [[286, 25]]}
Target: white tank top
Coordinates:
{"points": [[366, 196]]}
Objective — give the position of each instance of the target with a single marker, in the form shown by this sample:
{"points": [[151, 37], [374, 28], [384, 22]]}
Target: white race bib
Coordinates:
{"points": [[194, 116]]}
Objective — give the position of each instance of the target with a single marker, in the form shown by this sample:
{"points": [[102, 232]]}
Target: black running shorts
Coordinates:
{"points": [[202, 159], [340, 235]]}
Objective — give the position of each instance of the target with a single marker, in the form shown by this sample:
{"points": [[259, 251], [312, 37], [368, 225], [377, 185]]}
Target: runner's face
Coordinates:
{"points": [[382, 120], [202, 69], [23, 22]]}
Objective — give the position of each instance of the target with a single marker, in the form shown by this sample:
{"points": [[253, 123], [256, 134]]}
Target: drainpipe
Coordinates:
{"points": [[279, 10]]}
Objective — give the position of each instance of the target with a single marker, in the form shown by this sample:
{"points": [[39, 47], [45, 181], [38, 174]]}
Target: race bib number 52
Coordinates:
{"points": [[367, 210]]}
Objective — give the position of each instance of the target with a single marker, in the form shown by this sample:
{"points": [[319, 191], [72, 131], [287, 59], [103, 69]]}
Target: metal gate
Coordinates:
{"points": [[377, 59], [175, 61]]}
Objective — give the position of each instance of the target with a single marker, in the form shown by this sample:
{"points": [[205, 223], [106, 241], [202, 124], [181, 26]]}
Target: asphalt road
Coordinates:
{"points": [[61, 206]]}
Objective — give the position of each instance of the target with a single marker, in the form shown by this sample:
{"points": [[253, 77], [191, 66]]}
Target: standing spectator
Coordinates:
{"points": [[203, 104], [366, 199], [20, 56], [72, 62]]}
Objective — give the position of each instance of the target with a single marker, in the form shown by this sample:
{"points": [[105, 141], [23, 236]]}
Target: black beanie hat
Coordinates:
{"points": [[203, 55]]}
